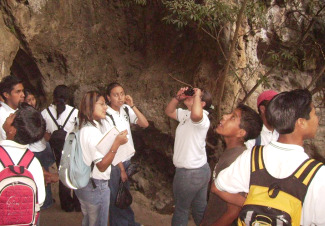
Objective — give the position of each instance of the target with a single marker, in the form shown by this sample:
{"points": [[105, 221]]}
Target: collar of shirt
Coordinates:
{"points": [[113, 112], [11, 143], [7, 108], [265, 129], [286, 147]]}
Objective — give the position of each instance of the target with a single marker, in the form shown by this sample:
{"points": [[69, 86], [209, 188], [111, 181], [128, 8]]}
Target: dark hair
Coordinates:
{"points": [[61, 95], [8, 83], [29, 124], [250, 121], [109, 88], [207, 98], [286, 108], [87, 106]]}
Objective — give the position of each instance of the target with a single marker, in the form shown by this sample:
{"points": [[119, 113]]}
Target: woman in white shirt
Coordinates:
{"points": [[95, 197]]}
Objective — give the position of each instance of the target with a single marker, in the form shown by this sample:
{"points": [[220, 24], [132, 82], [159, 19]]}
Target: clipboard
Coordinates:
{"points": [[124, 152]]}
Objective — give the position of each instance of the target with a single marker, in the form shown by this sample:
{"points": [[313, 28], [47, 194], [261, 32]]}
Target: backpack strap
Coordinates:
{"points": [[54, 120], [258, 140], [68, 118], [26, 159], [127, 112], [256, 158], [307, 170], [5, 158], [111, 116]]}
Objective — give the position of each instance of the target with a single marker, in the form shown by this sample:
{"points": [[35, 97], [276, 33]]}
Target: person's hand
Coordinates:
{"points": [[197, 92], [121, 138], [129, 100], [124, 176], [180, 94], [50, 177]]}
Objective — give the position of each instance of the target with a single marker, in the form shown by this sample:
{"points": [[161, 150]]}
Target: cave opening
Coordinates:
{"points": [[25, 68]]}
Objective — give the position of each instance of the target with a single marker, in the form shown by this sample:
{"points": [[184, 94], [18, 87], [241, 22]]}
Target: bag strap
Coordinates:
{"points": [[5, 158], [54, 120], [111, 116], [27, 159], [258, 140], [68, 118], [307, 170], [127, 112], [256, 158]]}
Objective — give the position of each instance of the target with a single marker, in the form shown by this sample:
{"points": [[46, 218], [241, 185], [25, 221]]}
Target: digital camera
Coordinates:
{"points": [[189, 92]]}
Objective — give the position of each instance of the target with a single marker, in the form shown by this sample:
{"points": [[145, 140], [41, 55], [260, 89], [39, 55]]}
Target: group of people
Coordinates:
{"points": [[265, 146], [93, 119]]}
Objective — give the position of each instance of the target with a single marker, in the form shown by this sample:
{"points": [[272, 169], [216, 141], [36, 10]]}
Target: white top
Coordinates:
{"points": [[281, 160], [89, 138], [189, 147], [16, 151], [5, 111], [50, 124], [266, 137], [38, 146], [121, 120]]}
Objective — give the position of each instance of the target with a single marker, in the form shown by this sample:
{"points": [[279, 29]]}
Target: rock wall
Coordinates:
{"points": [[87, 44]]}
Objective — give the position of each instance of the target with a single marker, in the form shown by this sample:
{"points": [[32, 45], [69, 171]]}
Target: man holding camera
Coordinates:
{"points": [[193, 173]]}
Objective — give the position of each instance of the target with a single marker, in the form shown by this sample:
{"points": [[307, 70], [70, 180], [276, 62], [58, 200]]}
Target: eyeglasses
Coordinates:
{"points": [[102, 104]]}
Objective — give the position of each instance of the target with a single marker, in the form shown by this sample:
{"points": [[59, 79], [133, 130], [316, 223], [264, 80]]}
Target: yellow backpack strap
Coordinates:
{"points": [[256, 158], [307, 171]]}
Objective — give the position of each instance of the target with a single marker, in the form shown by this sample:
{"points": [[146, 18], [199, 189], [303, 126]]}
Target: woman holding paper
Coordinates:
{"points": [[95, 197], [121, 113]]}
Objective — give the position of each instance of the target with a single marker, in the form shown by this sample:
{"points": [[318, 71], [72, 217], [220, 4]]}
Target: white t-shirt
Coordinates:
{"points": [[5, 111], [90, 135], [50, 124], [121, 120], [189, 148], [16, 151], [266, 137], [281, 160], [38, 146]]}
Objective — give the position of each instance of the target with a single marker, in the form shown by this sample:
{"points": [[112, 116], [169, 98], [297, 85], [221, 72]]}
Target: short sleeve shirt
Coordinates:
{"points": [[5, 111], [189, 147]]}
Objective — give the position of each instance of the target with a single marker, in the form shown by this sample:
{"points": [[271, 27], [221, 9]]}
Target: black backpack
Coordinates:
{"points": [[58, 136]]}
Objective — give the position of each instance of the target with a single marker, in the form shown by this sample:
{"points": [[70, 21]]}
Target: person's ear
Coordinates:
{"points": [[262, 109], [108, 98], [241, 133], [301, 123], [203, 104], [6, 95]]}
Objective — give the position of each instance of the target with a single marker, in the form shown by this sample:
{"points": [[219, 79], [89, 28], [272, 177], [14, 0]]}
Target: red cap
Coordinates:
{"points": [[266, 95]]}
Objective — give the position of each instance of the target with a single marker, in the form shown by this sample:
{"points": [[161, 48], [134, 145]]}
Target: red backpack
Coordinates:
{"points": [[18, 191]]}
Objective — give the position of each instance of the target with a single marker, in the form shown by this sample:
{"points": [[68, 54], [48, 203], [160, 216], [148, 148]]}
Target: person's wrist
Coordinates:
{"points": [[176, 97], [133, 106]]}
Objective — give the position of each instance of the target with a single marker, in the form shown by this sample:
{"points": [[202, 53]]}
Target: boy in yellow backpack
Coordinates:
{"points": [[284, 186]]}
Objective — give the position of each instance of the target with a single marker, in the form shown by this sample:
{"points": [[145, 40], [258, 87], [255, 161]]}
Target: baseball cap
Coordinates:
{"points": [[266, 95]]}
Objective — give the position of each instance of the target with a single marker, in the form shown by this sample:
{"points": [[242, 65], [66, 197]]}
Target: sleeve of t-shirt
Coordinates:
{"points": [[180, 114], [250, 144], [90, 138], [203, 123], [235, 178], [314, 203], [3, 134], [36, 169], [46, 117]]}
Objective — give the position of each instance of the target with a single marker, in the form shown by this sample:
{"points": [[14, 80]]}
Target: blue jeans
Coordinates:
{"points": [[94, 203], [190, 187], [46, 158], [117, 216]]}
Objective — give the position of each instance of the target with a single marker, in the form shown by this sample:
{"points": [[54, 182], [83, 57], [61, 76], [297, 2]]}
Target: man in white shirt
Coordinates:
{"points": [[193, 173], [268, 133], [293, 115], [12, 92], [23, 127]]}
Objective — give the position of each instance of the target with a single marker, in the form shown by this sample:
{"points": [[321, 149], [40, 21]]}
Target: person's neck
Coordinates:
{"points": [[233, 142], [266, 124], [291, 138], [11, 105], [115, 108]]}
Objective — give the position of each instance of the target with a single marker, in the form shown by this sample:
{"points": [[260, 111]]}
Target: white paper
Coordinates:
{"points": [[124, 152]]}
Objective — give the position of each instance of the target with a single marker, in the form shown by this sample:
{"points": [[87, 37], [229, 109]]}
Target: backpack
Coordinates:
{"points": [[18, 191], [126, 111], [73, 171], [58, 136], [273, 201]]}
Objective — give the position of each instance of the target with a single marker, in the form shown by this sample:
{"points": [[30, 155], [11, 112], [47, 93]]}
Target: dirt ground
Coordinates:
{"points": [[54, 216]]}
